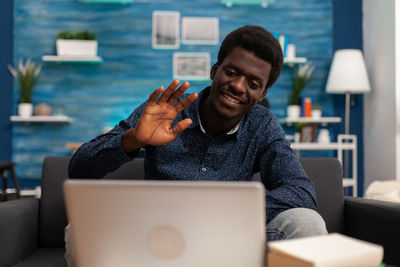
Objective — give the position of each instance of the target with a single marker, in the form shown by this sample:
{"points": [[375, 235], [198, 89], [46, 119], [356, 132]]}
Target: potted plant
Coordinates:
{"points": [[316, 112], [301, 77], [80, 44], [27, 75]]}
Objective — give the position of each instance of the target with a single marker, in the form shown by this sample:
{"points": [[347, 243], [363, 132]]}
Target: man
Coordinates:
{"points": [[220, 134]]}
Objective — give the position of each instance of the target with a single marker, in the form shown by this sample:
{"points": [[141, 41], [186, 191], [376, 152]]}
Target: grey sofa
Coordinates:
{"points": [[32, 230]]}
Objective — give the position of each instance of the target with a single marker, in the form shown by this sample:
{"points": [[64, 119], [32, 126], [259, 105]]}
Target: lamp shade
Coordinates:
{"points": [[348, 73]]}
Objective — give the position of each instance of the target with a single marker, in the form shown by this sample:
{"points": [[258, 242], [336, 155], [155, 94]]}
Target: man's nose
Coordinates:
{"points": [[239, 84]]}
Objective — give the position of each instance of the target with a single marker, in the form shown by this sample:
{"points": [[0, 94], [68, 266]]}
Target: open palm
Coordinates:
{"points": [[155, 125]]}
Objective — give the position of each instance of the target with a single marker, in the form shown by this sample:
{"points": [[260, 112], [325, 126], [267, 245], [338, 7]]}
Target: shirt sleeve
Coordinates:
{"points": [[283, 176], [104, 153]]}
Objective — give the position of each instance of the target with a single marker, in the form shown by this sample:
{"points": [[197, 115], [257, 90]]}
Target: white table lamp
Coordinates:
{"points": [[348, 75]]}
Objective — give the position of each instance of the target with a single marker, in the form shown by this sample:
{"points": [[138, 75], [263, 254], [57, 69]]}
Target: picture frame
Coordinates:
{"points": [[165, 29], [307, 133], [200, 30], [191, 66]]}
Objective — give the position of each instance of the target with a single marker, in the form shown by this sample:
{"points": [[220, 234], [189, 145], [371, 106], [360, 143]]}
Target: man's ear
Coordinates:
{"points": [[213, 71], [263, 94]]}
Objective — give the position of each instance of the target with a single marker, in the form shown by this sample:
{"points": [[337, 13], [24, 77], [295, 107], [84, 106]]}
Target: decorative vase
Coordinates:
{"points": [[323, 136], [42, 110], [25, 110], [293, 111]]}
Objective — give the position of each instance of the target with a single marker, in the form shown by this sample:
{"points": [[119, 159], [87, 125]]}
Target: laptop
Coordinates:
{"points": [[166, 223]]}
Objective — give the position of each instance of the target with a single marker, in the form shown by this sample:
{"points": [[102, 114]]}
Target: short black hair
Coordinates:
{"points": [[259, 41]]}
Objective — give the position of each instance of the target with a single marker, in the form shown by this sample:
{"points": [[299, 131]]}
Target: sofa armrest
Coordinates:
{"points": [[18, 229], [375, 221]]}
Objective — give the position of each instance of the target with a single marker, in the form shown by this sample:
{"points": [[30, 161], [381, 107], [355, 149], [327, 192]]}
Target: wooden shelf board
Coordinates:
{"points": [[320, 146], [313, 120], [55, 118], [60, 59], [295, 60]]}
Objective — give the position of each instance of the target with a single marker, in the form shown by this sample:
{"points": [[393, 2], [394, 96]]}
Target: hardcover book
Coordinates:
{"points": [[324, 251]]}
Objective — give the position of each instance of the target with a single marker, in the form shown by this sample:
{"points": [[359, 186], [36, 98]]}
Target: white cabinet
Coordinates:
{"points": [[344, 142]]}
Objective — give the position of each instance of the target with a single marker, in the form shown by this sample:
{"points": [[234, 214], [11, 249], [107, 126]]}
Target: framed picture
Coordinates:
{"points": [[307, 132], [165, 30], [191, 66], [200, 30]]}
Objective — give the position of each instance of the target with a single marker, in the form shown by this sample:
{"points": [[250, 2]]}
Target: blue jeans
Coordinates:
{"points": [[292, 223], [295, 223]]}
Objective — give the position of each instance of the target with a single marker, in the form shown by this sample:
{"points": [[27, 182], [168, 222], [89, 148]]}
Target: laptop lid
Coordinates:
{"points": [[166, 223]]}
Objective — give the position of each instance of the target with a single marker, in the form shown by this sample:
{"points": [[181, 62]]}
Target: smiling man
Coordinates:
{"points": [[219, 134]]}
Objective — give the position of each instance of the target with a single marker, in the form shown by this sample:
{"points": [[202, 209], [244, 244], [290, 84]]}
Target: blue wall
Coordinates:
{"points": [[347, 33], [6, 41], [98, 96]]}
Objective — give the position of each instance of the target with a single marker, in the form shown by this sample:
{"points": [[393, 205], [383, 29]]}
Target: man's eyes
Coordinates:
{"points": [[230, 72], [254, 85]]}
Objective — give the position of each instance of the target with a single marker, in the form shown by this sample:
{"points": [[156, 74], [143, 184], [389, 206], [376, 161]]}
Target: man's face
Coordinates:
{"points": [[239, 83]]}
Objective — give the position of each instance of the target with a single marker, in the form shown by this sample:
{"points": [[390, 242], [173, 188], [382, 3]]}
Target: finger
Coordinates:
{"points": [[169, 91], [186, 102], [181, 126], [177, 94], [155, 94]]}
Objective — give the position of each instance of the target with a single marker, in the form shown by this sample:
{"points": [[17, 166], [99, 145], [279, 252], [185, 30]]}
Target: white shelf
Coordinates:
{"points": [[55, 118], [348, 182], [322, 120], [70, 59], [295, 60], [322, 146], [26, 192]]}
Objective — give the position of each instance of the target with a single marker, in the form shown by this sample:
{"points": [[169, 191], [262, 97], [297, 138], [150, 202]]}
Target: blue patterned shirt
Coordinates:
{"points": [[259, 145]]}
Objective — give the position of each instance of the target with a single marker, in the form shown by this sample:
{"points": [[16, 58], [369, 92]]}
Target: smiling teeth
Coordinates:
{"points": [[231, 99]]}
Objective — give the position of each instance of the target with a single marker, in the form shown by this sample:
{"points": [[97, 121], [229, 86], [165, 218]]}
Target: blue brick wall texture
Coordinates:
{"points": [[100, 95]]}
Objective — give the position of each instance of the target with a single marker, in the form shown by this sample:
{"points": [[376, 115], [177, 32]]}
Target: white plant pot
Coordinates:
{"points": [[76, 48], [293, 111], [316, 113], [25, 110]]}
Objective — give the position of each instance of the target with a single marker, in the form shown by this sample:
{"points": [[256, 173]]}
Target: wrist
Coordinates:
{"points": [[130, 142]]}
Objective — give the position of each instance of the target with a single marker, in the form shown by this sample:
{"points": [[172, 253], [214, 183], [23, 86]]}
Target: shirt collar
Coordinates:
{"points": [[193, 112]]}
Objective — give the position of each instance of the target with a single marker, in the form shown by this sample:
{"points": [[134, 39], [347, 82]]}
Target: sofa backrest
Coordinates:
{"points": [[325, 173]]}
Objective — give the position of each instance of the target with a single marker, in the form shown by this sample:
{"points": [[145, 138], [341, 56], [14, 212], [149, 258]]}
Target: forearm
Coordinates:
{"points": [[288, 197], [98, 157]]}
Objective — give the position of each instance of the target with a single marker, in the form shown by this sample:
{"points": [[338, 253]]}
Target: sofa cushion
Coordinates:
{"points": [[18, 229]]}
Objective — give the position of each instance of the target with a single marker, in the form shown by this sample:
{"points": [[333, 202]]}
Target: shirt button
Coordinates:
{"points": [[203, 169]]}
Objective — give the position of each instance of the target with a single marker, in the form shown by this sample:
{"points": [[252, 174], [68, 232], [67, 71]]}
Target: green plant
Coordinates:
{"points": [[316, 107], [301, 77], [298, 126], [27, 75], [72, 35]]}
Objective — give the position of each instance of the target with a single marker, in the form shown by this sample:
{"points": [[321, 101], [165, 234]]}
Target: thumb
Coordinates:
{"points": [[181, 126]]}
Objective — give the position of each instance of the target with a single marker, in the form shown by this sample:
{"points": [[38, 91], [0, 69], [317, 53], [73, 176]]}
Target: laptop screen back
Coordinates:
{"points": [[166, 223]]}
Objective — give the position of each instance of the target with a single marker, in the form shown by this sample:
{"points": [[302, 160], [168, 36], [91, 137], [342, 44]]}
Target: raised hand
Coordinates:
{"points": [[155, 125]]}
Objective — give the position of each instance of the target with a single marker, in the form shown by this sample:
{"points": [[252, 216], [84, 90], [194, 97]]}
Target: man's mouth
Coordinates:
{"points": [[232, 99]]}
